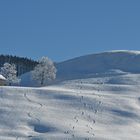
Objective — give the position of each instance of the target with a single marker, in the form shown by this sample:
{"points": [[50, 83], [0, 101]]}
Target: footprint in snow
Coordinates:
{"points": [[94, 121], [66, 132], [82, 113], [29, 115], [85, 104], [30, 136], [32, 117], [96, 111], [73, 135], [100, 102], [28, 99]]}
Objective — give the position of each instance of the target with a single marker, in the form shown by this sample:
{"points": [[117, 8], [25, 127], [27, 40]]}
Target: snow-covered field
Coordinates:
{"points": [[101, 108]]}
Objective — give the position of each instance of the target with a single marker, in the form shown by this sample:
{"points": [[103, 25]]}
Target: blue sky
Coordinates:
{"points": [[63, 29]]}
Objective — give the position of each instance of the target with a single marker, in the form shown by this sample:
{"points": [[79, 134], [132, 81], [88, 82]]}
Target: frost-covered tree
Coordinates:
{"points": [[45, 71], [10, 73]]}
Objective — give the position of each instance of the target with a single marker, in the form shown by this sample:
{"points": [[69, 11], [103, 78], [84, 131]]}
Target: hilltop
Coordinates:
{"points": [[89, 65]]}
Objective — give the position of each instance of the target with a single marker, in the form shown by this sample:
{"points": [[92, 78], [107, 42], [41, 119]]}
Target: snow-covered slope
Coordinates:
{"points": [[92, 108], [107, 63], [100, 102], [127, 61], [27, 81]]}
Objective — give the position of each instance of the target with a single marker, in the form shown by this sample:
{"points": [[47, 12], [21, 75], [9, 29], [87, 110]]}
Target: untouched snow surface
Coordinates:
{"points": [[85, 66], [101, 108]]}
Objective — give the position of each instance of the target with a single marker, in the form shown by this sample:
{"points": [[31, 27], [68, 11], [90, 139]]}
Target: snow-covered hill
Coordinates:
{"points": [[92, 108], [100, 102], [127, 61], [102, 64]]}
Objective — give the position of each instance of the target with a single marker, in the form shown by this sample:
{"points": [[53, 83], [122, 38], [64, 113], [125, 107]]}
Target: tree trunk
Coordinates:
{"points": [[42, 79]]}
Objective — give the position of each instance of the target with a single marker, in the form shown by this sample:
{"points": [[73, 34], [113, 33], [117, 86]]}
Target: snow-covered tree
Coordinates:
{"points": [[10, 73], [44, 72]]}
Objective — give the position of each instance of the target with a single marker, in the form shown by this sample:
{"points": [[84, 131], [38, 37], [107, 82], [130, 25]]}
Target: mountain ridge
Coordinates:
{"points": [[124, 60]]}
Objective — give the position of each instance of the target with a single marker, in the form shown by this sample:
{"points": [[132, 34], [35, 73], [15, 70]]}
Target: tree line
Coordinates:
{"points": [[22, 64], [43, 72]]}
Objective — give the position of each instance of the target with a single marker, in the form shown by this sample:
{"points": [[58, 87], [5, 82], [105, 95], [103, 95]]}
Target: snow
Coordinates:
{"points": [[27, 81], [10, 73], [45, 71], [91, 108], [2, 77], [85, 66], [112, 62], [125, 51], [94, 97]]}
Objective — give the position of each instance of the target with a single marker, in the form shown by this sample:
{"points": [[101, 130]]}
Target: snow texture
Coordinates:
{"points": [[103, 107], [2, 77], [89, 65], [92, 108]]}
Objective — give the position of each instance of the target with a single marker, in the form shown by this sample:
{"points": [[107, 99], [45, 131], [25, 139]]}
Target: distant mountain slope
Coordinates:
{"points": [[127, 61], [95, 65]]}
